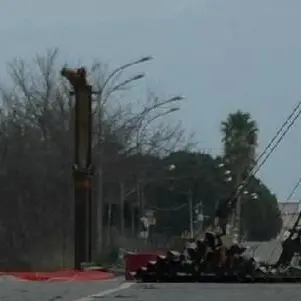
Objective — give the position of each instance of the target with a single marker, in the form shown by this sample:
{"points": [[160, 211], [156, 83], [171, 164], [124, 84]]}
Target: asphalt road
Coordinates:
{"points": [[209, 292], [14, 290]]}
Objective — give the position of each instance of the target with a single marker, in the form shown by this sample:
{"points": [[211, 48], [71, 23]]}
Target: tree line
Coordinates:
{"points": [[134, 142]]}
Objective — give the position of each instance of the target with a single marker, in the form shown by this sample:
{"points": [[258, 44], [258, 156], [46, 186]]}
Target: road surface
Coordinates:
{"points": [[210, 292], [14, 290]]}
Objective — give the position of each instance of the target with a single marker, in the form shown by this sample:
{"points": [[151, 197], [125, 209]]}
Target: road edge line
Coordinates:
{"points": [[107, 292]]}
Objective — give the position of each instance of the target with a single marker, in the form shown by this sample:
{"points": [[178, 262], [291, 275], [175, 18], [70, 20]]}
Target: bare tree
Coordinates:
{"points": [[36, 150]]}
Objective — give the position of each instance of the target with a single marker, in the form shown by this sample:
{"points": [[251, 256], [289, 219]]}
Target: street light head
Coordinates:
{"points": [[240, 187], [138, 76], [171, 167], [246, 192], [254, 196], [145, 59], [229, 179], [177, 98]]}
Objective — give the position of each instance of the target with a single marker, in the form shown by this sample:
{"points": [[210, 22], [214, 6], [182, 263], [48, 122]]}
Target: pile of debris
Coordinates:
{"points": [[209, 260]]}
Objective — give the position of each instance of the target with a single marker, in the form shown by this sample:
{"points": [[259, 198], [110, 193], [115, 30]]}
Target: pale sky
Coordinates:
{"points": [[223, 55]]}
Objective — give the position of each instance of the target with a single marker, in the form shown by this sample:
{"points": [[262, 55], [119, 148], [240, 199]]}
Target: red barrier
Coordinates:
{"points": [[135, 261], [64, 275]]}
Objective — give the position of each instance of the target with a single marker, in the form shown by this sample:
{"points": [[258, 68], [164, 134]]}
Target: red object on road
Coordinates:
{"points": [[64, 275], [135, 261]]}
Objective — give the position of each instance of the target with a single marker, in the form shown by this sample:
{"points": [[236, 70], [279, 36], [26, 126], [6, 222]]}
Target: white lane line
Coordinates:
{"points": [[123, 286]]}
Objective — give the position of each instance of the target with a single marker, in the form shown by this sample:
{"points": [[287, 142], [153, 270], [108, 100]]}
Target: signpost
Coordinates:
{"points": [[147, 220]]}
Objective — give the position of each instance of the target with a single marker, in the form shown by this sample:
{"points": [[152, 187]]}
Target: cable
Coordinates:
{"points": [[257, 167], [292, 192], [292, 217], [295, 109], [253, 171], [288, 123], [278, 132], [252, 175], [277, 143]]}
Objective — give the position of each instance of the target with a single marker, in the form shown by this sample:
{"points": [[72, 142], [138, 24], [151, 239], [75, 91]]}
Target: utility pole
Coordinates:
{"points": [[190, 206], [200, 217], [122, 200], [238, 217], [82, 168]]}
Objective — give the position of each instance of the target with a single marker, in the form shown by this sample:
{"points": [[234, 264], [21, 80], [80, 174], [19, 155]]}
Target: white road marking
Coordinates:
{"points": [[123, 286]]}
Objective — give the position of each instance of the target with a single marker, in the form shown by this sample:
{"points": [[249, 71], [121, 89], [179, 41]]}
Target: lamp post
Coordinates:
{"points": [[245, 197], [241, 194], [190, 206], [199, 212], [223, 220], [105, 92], [189, 194]]}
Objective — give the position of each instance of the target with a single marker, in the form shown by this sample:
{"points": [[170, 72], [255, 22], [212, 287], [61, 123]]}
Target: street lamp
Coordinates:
{"points": [[123, 67], [176, 98], [142, 126], [124, 84], [99, 112], [171, 167], [228, 179], [227, 172]]}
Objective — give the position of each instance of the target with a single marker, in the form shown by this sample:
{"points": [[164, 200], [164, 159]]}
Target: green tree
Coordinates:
{"points": [[240, 139], [194, 172], [261, 216], [199, 173]]}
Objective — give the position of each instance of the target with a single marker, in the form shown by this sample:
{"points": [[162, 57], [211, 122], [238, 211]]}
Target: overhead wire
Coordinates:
{"points": [[290, 125], [294, 190], [298, 183], [290, 195], [278, 132], [267, 152], [254, 170], [270, 148]]}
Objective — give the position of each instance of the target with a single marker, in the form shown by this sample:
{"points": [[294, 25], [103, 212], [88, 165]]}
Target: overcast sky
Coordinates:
{"points": [[223, 55]]}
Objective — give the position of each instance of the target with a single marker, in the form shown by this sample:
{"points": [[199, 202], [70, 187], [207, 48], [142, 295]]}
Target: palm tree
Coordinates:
{"points": [[240, 139]]}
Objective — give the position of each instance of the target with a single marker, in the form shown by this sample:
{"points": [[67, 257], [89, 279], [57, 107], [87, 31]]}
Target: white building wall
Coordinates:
{"points": [[289, 213]]}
